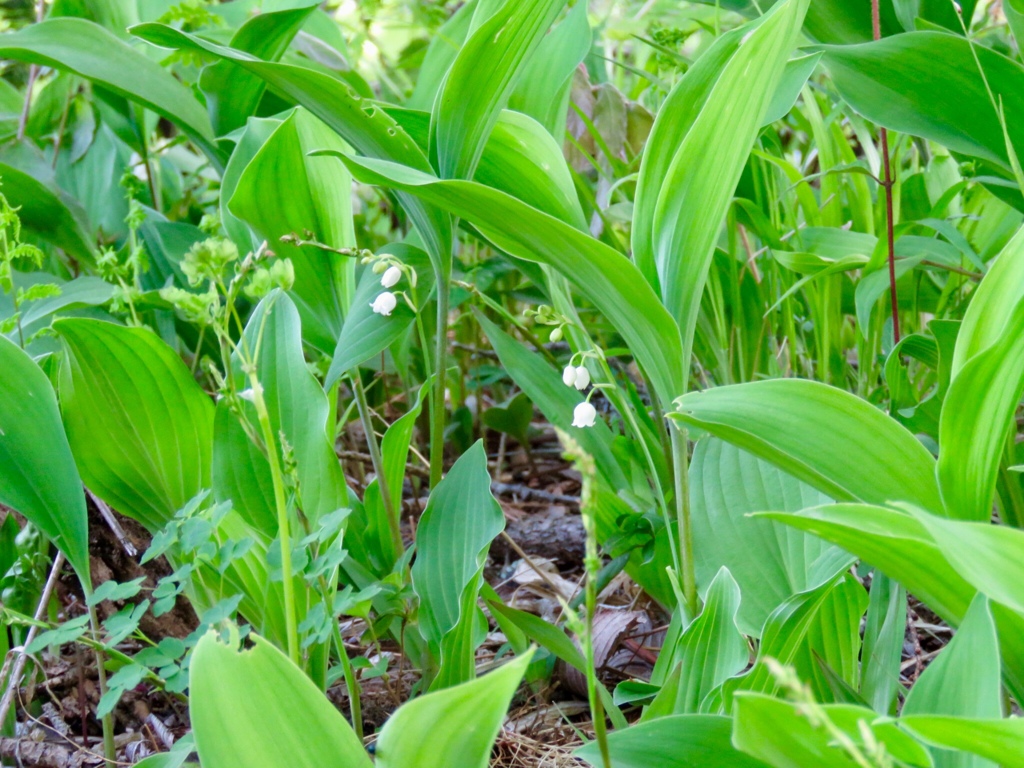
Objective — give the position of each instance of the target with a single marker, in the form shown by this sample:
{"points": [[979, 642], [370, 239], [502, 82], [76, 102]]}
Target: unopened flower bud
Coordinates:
{"points": [[391, 276], [569, 375], [582, 378]]}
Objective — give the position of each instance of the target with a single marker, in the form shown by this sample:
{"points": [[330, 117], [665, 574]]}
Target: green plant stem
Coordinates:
{"points": [[109, 748], [394, 523], [283, 523], [437, 401], [354, 691], [681, 473]]}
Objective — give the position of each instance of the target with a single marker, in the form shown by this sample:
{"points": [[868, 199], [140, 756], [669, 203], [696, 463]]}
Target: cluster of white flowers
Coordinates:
{"points": [[584, 415], [385, 302]]}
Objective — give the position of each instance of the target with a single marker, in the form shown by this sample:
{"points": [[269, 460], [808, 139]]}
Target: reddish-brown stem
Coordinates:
{"points": [[876, 33]]}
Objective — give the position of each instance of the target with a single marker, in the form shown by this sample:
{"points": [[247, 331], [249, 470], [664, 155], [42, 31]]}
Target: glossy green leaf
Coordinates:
{"points": [[824, 621], [710, 650], [782, 735], [884, 633], [38, 476], [1001, 741], [232, 94], [140, 428], [241, 472], [313, 195], [599, 272], [928, 84], [898, 543], [441, 52], [769, 561], [963, 680], [452, 539], [297, 404], [456, 726], [481, 79], [254, 707], [678, 741], [992, 304], [989, 557], [44, 209], [977, 415], [694, 195], [830, 439], [360, 122], [542, 91], [88, 50]]}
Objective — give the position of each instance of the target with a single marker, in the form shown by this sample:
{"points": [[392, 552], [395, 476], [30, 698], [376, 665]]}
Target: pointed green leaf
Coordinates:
{"points": [[38, 476], [678, 741], [481, 79], [88, 50], [232, 94], [311, 194], [830, 439], [1001, 741], [452, 539], [254, 707], [963, 680], [140, 427], [456, 726], [769, 564]]}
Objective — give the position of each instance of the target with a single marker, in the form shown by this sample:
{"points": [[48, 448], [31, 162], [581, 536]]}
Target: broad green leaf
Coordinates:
{"points": [[456, 726], [677, 741], [452, 539], [1001, 741], [359, 121], [439, 56], [710, 650], [928, 84], [257, 132], [989, 557], [963, 680], [547, 635], [899, 545], [296, 403], [90, 51], [978, 413], [254, 707], [232, 94], [830, 439], [769, 561], [44, 209], [140, 427], [823, 621], [241, 472], [599, 272], [38, 476], [781, 734], [694, 194], [365, 334], [313, 195], [542, 91], [884, 632], [992, 304], [480, 81], [369, 533], [522, 159]]}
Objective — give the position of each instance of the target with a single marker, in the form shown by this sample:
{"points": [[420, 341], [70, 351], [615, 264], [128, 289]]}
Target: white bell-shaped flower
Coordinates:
{"points": [[569, 375], [584, 415], [391, 276], [582, 380], [384, 303]]}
